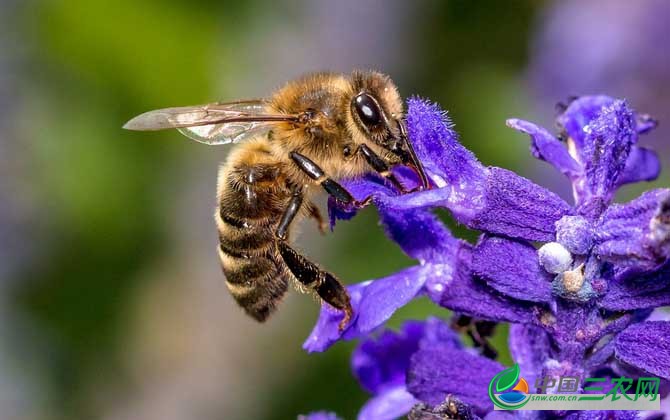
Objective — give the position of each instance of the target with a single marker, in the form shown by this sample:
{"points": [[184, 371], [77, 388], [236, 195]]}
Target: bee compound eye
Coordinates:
{"points": [[368, 110]]}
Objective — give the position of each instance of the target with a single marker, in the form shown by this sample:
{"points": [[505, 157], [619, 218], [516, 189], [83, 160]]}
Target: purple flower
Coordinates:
{"points": [[576, 282], [380, 365], [428, 351], [319, 415]]}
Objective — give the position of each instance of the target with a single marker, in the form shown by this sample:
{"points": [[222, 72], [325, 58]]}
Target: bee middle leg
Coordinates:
{"points": [[316, 215], [306, 272]]}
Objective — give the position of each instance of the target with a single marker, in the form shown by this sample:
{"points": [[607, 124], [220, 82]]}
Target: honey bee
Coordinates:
{"points": [[309, 133]]}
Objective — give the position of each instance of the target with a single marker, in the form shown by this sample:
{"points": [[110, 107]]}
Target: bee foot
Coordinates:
{"points": [[345, 321], [362, 203]]}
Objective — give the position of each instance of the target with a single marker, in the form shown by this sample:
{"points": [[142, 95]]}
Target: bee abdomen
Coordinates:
{"points": [[253, 237], [253, 191], [248, 260], [256, 283], [251, 203]]}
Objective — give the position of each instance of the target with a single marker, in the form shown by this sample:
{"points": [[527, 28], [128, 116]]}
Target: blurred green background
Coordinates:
{"points": [[112, 304]]}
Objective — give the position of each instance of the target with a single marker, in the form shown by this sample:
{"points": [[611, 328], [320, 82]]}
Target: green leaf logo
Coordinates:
{"points": [[507, 378], [502, 382]]}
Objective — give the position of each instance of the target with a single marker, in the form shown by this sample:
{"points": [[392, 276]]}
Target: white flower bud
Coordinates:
{"points": [[554, 257]]}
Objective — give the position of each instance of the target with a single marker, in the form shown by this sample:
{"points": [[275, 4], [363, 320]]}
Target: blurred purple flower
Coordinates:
{"points": [[612, 46], [319, 415], [577, 305]]}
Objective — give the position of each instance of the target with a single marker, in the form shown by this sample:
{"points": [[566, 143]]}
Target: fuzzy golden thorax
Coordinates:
{"points": [[332, 133]]}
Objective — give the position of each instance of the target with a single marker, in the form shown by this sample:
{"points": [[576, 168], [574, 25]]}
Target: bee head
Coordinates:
{"points": [[376, 108], [377, 115]]}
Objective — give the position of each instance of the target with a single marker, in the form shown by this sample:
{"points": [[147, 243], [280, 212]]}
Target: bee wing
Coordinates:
{"points": [[217, 123]]}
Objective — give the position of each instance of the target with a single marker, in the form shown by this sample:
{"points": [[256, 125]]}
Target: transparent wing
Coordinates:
{"points": [[217, 123], [224, 133]]}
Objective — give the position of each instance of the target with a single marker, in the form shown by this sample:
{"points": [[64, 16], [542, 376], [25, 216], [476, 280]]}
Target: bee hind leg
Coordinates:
{"points": [[325, 284], [306, 272]]}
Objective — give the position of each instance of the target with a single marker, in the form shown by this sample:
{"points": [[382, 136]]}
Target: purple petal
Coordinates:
{"points": [[651, 290], [439, 370], [511, 267], [337, 212], [530, 347], [645, 123], [437, 331], [407, 177], [580, 113], [391, 404], [326, 331], [380, 365], [646, 346], [600, 357], [435, 197], [505, 415], [642, 165], [548, 148], [575, 233], [602, 415], [604, 131], [382, 362], [455, 288], [636, 234], [510, 205], [606, 148], [319, 415], [470, 296], [437, 147], [420, 233], [386, 295], [373, 303], [518, 208], [459, 177], [371, 184], [360, 189]]}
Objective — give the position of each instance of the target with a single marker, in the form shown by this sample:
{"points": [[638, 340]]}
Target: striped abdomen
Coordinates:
{"points": [[252, 197]]}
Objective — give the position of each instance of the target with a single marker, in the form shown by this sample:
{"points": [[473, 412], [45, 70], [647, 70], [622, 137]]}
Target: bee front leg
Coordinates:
{"points": [[331, 186], [380, 166]]}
